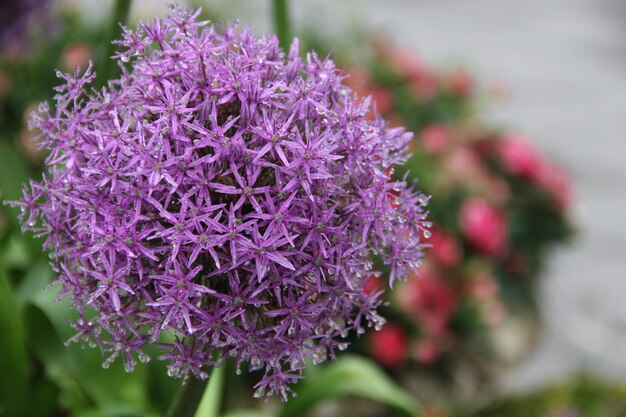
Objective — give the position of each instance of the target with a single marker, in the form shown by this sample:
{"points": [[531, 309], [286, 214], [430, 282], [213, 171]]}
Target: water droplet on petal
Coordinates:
{"points": [[129, 366]]}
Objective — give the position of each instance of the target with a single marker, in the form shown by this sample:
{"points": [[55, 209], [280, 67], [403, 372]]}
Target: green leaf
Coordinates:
{"points": [[210, 403], [14, 174], [13, 361], [78, 373], [14, 169], [161, 388], [246, 413], [46, 346], [114, 411], [32, 284], [350, 375], [46, 393], [15, 254]]}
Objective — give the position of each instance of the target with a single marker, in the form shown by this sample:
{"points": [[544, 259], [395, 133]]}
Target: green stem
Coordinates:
{"points": [[14, 388], [186, 401], [108, 67], [281, 23], [210, 405]]}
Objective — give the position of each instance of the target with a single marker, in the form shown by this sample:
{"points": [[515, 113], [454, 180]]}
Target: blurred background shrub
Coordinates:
{"points": [[498, 206]]}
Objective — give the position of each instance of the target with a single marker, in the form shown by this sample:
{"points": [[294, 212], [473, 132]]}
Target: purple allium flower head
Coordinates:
{"points": [[221, 199]]}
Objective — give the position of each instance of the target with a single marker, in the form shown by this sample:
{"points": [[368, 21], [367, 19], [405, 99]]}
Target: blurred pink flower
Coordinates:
{"points": [[435, 138], [422, 79], [496, 189], [357, 79], [445, 250], [389, 345], [558, 183], [463, 166], [482, 287], [76, 55], [382, 98], [361, 83], [426, 351], [408, 63], [484, 226], [424, 87], [520, 157], [461, 83]]}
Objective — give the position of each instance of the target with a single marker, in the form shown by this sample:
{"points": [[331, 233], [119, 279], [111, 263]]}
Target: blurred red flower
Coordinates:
{"points": [[445, 250], [430, 299], [389, 345], [520, 157], [484, 226], [374, 283]]}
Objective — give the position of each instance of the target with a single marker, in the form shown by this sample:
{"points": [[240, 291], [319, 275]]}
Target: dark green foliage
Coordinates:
{"points": [[582, 396]]}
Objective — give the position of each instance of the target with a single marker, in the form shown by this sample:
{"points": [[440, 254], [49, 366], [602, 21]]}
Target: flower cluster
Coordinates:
{"points": [[221, 199], [499, 206]]}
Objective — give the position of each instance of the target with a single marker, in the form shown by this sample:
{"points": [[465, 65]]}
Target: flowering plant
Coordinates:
{"points": [[220, 199], [499, 206]]}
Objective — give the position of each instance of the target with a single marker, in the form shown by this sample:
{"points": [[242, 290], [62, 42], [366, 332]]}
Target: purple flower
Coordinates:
{"points": [[221, 199]]}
